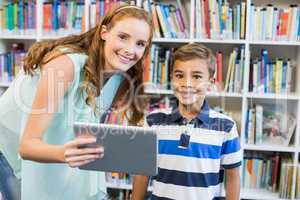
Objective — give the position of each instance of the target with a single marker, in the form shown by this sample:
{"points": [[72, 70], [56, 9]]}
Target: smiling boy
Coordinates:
{"points": [[191, 164]]}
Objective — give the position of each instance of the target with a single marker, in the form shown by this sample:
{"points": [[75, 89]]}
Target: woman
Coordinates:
{"points": [[64, 82]]}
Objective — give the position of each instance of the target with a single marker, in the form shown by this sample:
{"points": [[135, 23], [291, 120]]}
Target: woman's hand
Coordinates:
{"points": [[78, 151]]}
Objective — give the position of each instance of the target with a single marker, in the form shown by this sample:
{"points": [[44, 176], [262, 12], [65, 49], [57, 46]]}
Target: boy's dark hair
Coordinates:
{"points": [[194, 51]]}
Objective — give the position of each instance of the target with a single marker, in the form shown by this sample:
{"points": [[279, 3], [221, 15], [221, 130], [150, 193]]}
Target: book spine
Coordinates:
{"points": [[162, 22], [219, 58], [259, 124], [275, 24], [155, 21], [207, 18], [243, 20]]}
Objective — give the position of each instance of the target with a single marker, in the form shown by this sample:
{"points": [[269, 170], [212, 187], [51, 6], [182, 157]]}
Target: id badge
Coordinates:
{"points": [[184, 140]]}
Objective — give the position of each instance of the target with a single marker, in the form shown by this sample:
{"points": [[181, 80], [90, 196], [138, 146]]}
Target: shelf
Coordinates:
{"points": [[254, 147], [220, 41], [58, 34], [279, 43], [122, 186], [188, 40], [119, 186], [157, 91], [224, 94], [260, 194], [245, 193], [209, 94], [272, 96], [171, 40], [5, 84], [18, 36]]}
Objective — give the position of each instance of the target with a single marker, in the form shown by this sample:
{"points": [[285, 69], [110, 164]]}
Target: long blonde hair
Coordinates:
{"points": [[92, 45]]}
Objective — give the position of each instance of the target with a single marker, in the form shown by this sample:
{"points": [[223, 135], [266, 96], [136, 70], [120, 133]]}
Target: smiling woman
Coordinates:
{"points": [[63, 82], [126, 43]]}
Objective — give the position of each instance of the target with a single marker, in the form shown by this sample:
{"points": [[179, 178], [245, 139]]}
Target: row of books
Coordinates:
{"points": [[170, 20], [271, 172], [269, 124], [266, 75], [286, 178], [219, 20], [158, 65], [98, 8], [18, 16], [270, 76], [274, 23], [235, 71], [11, 62], [62, 15]]}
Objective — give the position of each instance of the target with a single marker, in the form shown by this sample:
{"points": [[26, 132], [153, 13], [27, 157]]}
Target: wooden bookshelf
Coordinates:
{"points": [[244, 97]]}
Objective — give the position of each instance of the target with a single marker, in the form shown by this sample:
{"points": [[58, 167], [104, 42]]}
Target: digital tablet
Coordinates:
{"points": [[127, 149]]}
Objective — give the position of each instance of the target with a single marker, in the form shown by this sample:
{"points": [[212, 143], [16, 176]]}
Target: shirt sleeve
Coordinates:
{"points": [[231, 153]]}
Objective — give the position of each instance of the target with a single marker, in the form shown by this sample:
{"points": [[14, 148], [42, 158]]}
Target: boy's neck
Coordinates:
{"points": [[190, 111]]}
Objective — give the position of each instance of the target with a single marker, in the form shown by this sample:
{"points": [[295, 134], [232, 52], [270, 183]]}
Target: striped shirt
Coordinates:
{"points": [[195, 172]]}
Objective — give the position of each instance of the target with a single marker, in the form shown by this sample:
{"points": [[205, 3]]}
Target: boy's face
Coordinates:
{"points": [[190, 80]]}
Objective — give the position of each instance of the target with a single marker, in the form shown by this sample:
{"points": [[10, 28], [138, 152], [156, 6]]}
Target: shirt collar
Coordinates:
{"points": [[203, 115]]}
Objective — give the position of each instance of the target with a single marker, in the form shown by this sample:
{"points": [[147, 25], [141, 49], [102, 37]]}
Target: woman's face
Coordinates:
{"points": [[125, 43]]}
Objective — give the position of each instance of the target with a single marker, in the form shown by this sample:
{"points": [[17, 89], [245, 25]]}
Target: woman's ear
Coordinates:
{"points": [[104, 32]]}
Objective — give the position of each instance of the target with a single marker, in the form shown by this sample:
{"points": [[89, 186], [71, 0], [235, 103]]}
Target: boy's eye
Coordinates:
{"points": [[197, 77]]}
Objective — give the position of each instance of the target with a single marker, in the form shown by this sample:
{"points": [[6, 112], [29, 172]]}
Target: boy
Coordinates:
{"points": [[191, 163]]}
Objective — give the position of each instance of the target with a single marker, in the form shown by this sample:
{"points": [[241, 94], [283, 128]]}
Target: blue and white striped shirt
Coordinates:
{"points": [[195, 172]]}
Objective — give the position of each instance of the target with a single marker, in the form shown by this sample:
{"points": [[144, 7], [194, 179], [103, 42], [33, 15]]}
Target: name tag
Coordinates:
{"points": [[185, 137], [184, 140]]}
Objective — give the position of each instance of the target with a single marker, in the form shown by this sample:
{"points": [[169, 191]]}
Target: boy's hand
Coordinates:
{"points": [[75, 154]]}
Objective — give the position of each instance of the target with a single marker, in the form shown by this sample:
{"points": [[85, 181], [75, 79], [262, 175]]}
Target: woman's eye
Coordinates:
{"points": [[141, 44], [122, 37], [178, 75]]}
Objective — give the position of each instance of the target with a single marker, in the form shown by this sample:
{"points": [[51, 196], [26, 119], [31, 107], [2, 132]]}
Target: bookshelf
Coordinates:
{"points": [[238, 102]]}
